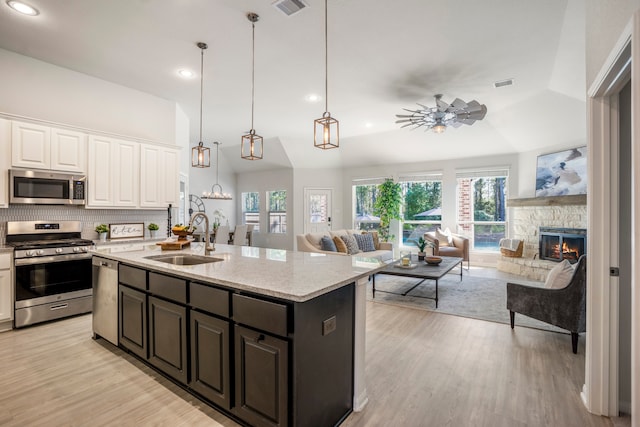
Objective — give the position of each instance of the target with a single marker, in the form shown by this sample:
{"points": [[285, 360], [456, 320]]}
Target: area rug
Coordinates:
{"points": [[477, 297]]}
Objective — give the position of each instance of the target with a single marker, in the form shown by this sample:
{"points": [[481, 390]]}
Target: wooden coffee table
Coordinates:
{"points": [[422, 271]]}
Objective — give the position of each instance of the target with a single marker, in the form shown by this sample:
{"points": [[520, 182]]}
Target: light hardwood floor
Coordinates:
{"points": [[423, 369]]}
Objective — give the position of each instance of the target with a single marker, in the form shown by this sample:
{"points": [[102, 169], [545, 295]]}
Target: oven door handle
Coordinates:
{"points": [[48, 259]]}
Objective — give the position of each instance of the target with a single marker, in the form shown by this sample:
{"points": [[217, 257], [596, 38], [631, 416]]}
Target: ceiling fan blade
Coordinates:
{"points": [[442, 106], [405, 120], [459, 104], [408, 124], [456, 124]]}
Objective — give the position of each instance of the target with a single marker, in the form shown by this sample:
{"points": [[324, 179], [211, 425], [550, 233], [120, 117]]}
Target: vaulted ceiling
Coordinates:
{"points": [[383, 56]]}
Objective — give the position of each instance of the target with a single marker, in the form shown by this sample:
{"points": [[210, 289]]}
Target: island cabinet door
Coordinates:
{"points": [[261, 378], [132, 330], [210, 355], [168, 338]]}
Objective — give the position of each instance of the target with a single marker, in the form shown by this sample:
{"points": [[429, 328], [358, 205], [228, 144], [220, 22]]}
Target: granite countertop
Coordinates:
{"points": [[288, 275]]}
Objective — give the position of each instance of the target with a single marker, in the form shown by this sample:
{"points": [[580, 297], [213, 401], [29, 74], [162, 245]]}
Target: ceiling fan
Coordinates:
{"points": [[441, 116]]}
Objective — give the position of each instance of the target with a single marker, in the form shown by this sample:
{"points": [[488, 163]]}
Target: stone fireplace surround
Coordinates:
{"points": [[526, 216]]}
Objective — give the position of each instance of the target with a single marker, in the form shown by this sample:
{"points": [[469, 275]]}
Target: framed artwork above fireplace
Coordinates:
{"points": [[562, 174]]}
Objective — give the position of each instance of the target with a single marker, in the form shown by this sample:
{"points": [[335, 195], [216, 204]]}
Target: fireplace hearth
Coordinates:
{"points": [[557, 244]]}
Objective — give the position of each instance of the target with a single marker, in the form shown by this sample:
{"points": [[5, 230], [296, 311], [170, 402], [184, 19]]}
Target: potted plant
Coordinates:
{"points": [[102, 231], [387, 207], [421, 244], [153, 229]]}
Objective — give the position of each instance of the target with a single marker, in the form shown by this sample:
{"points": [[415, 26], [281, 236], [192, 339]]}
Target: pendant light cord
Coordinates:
{"points": [[326, 60], [253, 68], [217, 162], [201, 87]]}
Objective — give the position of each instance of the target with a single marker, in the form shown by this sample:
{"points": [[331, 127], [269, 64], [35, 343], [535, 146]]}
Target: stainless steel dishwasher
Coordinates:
{"points": [[105, 299]]}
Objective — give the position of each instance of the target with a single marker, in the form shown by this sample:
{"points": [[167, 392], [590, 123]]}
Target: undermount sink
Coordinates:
{"points": [[184, 259]]}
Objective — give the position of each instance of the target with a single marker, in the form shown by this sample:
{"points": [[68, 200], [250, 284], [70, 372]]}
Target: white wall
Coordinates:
{"points": [[261, 182], [36, 89]]}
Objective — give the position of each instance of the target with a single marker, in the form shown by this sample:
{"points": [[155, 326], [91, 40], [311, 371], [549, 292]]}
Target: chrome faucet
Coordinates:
{"points": [[207, 247]]}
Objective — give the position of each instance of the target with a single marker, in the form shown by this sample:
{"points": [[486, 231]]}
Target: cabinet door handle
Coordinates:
{"points": [[260, 338]]}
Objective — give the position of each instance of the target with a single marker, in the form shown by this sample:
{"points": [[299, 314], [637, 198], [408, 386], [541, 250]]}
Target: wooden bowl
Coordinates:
{"points": [[182, 234], [433, 260]]}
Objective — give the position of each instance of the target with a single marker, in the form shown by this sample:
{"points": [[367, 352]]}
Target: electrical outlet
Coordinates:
{"points": [[329, 325]]}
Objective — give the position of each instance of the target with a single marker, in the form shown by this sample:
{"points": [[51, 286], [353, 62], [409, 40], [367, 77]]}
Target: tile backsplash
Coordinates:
{"points": [[89, 217]]}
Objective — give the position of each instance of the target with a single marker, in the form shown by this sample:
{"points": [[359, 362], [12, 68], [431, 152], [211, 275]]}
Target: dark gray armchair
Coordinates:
{"points": [[565, 308]]}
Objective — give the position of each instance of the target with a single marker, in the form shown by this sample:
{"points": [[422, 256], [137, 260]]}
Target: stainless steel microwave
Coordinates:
{"points": [[46, 188]]}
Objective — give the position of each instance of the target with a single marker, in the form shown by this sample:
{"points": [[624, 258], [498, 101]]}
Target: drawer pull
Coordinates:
{"points": [[260, 338], [58, 307]]}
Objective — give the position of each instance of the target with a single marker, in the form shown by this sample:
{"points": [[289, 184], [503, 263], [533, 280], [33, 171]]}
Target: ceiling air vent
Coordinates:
{"points": [[289, 7], [503, 83]]}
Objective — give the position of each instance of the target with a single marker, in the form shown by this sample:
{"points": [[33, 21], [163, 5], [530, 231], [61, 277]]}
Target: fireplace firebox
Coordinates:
{"points": [[557, 244]]}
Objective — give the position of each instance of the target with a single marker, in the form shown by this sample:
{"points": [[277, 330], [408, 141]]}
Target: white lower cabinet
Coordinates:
{"points": [[6, 292]]}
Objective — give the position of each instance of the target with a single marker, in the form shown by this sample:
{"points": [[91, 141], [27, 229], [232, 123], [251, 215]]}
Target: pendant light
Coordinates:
{"points": [[326, 132], [251, 147], [216, 189], [200, 155]]}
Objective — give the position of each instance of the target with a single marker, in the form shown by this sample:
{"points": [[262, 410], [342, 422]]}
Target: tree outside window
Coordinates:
{"points": [[422, 210], [365, 199], [277, 211], [482, 210], [251, 209]]}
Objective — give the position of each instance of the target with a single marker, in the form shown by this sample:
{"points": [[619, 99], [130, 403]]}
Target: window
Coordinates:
{"points": [[422, 206], [277, 211], [364, 196], [251, 209], [481, 207]]}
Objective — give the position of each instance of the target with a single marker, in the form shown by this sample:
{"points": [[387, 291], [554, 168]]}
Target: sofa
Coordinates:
{"points": [[457, 245], [311, 242]]}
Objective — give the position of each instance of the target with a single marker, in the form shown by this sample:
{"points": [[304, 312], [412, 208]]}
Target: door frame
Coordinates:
{"points": [[600, 391]]}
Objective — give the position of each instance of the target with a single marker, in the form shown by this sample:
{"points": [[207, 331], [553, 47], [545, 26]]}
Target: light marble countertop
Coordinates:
{"points": [[288, 275]]}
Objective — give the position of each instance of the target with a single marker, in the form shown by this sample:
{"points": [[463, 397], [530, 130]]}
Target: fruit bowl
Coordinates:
{"points": [[433, 260], [182, 234]]}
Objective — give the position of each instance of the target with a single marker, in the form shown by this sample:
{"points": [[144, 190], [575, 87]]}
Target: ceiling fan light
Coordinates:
{"points": [[439, 128]]}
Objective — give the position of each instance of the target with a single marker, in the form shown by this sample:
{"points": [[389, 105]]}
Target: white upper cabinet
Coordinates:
{"points": [[30, 146], [159, 176], [41, 147], [68, 150], [5, 161], [113, 173]]}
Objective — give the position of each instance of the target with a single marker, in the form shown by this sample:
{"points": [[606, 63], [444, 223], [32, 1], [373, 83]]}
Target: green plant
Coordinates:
{"points": [[387, 206], [421, 243], [153, 227], [102, 228]]}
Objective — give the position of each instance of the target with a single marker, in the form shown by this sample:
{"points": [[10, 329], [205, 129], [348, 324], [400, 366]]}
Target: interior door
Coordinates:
{"points": [[317, 210]]}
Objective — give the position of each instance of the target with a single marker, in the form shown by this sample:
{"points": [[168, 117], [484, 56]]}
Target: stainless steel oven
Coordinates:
{"points": [[46, 188], [52, 270]]}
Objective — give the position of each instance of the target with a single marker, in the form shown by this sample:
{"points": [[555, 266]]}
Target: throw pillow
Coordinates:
{"points": [[352, 245], [444, 237], [340, 246], [326, 243], [559, 276], [365, 242], [376, 239]]}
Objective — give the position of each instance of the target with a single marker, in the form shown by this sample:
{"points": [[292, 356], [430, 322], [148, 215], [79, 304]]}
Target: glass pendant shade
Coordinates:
{"points": [[439, 128], [252, 146], [326, 133], [200, 156]]}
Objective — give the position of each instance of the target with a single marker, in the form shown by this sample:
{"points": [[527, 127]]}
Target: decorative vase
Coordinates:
{"points": [[154, 234], [421, 256], [103, 237]]}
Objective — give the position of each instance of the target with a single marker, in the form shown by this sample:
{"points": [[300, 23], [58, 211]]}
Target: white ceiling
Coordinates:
{"points": [[383, 56]]}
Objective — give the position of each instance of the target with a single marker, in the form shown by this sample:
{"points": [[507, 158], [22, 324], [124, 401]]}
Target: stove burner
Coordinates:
{"points": [[40, 244]]}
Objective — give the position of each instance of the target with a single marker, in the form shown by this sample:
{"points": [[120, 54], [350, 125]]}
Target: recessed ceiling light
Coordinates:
{"points": [[368, 125], [312, 97], [187, 74], [23, 8]]}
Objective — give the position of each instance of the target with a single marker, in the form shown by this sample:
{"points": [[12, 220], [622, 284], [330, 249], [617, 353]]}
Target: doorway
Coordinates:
{"points": [[317, 210]]}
